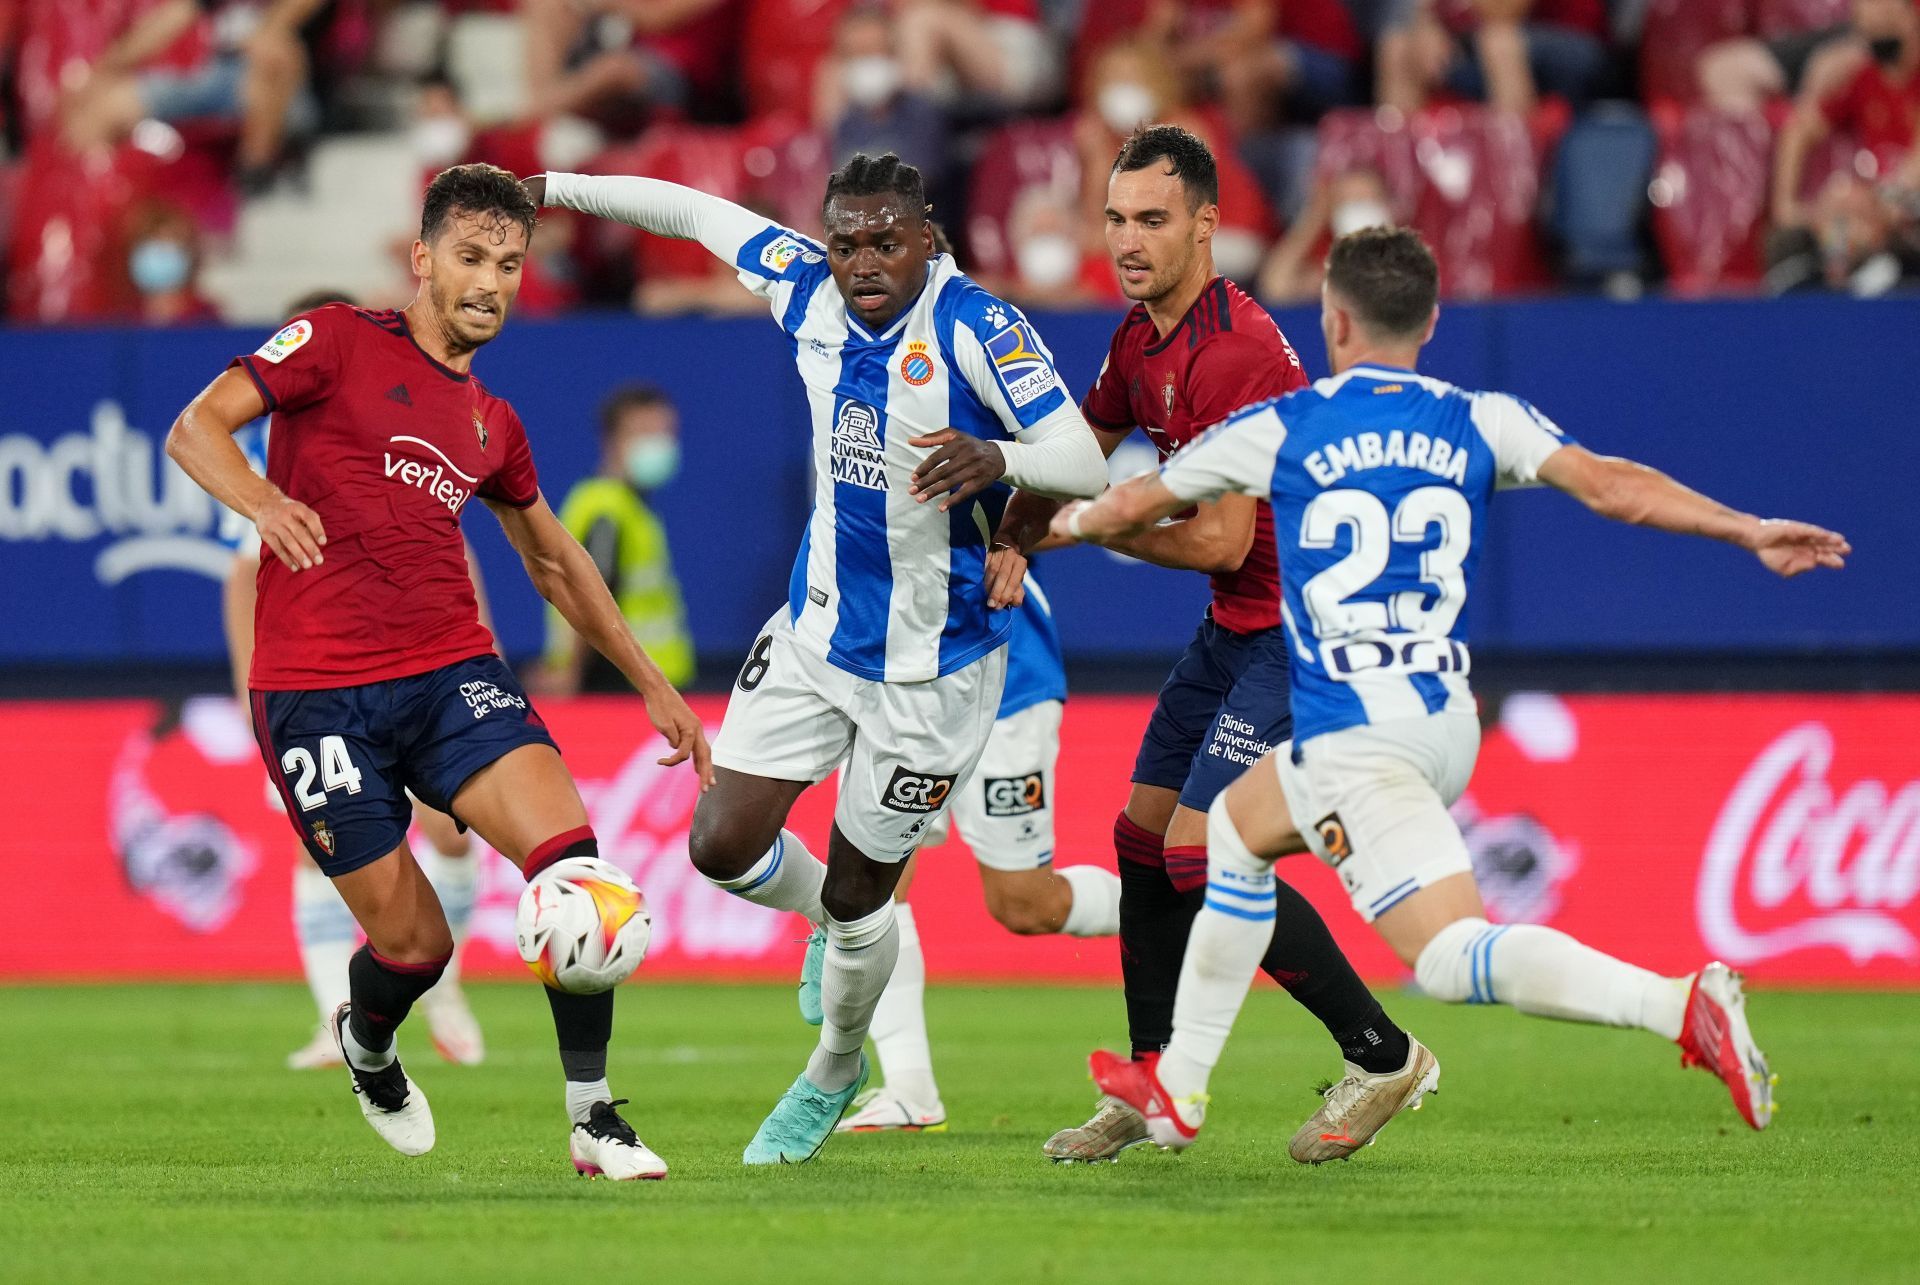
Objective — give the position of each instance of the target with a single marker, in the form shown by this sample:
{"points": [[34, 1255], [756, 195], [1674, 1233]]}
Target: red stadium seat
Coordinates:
{"points": [[785, 166], [1775, 18], [781, 45], [1676, 33], [1480, 189], [1019, 156], [703, 157], [1467, 177], [1709, 195]]}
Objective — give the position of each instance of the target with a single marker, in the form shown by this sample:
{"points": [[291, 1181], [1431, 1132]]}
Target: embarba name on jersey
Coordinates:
{"points": [[1396, 449]]}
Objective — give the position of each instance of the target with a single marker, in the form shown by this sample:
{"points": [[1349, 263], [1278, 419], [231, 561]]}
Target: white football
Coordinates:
{"points": [[582, 926]]}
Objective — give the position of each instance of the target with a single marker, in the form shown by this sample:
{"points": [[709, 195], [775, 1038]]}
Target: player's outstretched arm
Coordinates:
{"points": [[1215, 539], [1124, 511], [654, 205], [566, 576], [201, 443], [1633, 493]]}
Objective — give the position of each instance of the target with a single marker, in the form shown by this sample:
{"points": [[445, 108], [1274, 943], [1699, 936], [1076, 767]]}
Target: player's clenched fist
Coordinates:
{"points": [[292, 530], [668, 712]]}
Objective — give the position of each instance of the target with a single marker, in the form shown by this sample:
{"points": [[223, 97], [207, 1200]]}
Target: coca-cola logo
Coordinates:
{"points": [[1794, 864]]}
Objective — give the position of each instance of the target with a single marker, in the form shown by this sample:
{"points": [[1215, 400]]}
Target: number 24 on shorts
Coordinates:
{"points": [[335, 770]]}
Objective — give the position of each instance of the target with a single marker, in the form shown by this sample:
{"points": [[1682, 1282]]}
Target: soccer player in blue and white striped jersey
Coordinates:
{"points": [[1379, 479], [888, 657]]}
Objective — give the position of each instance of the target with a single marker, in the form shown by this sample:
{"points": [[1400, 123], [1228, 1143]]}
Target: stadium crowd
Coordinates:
{"points": [[1700, 145]]}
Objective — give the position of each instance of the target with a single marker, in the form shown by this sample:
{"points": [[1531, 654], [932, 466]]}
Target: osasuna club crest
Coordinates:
{"points": [[323, 835], [480, 430], [1166, 391]]}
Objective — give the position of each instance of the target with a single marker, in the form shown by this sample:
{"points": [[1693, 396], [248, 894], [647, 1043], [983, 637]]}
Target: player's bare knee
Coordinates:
{"points": [[417, 943], [723, 844], [1028, 910]]}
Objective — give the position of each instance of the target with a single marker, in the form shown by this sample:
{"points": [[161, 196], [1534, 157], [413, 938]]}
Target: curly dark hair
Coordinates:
{"points": [[1388, 277], [888, 175], [1186, 154], [476, 189]]}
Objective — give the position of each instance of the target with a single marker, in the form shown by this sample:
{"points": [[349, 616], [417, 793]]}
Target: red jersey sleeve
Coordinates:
{"points": [[1106, 406], [1235, 369], [516, 481], [303, 361]]}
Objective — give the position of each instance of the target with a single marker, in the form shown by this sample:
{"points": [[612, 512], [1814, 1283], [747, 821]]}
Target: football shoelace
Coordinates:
{"points": [[604, 1121], [385, 1088]]}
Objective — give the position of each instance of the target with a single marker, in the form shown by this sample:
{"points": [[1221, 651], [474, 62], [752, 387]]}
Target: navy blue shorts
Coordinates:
{"points": [[1222, 708], [345, 757]]}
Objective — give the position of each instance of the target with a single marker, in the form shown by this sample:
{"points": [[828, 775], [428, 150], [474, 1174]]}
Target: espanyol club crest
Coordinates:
{"points": [[480, 430], [917, 366]]}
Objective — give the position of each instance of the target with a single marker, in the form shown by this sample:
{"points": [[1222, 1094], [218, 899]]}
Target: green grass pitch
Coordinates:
{"points": [[150, 1134]]}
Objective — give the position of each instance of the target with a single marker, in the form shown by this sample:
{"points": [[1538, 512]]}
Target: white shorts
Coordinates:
{"points": [[1372, 803], [795, 717], [1005, 811]]}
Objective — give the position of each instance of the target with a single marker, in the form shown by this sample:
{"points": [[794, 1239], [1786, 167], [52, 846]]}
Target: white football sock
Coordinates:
{"points": [[455, 881], [860, 958], [1230, 935], [582, 1094], [324, 930], [1096, 901], [788, 877], [900, 1020], [1544, 972], [361, 1056]]}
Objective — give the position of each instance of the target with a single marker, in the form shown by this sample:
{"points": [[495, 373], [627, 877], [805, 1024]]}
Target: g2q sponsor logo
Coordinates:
{"points": [[1015, 796], [910, 791]]}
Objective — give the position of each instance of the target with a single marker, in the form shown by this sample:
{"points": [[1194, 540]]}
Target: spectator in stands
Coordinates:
{"points": [[610, 515], [621, 61], [256, 78], [1511, 52], [974, 52], [1051, 266], [1129, 83], [439, 129], [1862, 220], [1348, 202], [163, 259], [865, 101], [1742, 75]]}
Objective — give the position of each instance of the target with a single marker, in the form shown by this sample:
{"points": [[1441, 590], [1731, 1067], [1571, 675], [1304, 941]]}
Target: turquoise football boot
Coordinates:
{"points": [[811, 969], [802, 1121]]}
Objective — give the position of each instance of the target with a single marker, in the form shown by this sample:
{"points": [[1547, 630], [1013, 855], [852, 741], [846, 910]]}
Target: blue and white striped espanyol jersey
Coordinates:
{"points": [[1379, 480], [1036, 671], [886, 587]]}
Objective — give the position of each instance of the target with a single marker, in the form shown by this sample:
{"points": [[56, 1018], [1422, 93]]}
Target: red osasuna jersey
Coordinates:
{"points": [[387, 446], [1225, 353]]}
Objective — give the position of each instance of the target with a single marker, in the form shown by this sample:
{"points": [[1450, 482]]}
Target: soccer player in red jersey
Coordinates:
{"points": [[372, 674], [1194, 349]]}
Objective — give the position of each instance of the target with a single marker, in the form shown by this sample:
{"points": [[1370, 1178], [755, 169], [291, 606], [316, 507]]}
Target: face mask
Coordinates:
{"points": [[439, 140], [568, 143], [1351, 216], [652, 462], [159, 266], [870, 80], [1048, 260], [1886, 49], [1126, 104]]}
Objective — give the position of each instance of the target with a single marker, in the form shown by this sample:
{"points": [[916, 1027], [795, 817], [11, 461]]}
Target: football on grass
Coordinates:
{"points": [[582, 926]]}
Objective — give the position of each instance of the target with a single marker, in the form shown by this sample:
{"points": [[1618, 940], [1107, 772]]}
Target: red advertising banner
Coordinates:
{"points": [[1779, 833]]}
